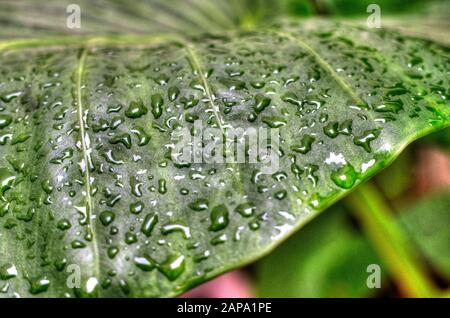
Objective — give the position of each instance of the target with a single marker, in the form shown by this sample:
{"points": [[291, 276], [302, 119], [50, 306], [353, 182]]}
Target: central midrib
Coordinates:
{"points": [[192, 56], [80, 111]]}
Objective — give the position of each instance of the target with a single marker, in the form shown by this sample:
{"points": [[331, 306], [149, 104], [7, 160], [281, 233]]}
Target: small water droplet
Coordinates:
{"points": [[246, 209], [157, 102], [199, 205], [219, 218], [173, 267], [63, 224], [149, 223], [137, 207], [107, 217], [8, 271], [39, 285], [261, 103], [5, 120]]}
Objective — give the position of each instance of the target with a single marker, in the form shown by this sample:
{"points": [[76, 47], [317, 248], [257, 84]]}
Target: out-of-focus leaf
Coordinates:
{"points": [[34, 18], [428, 223], [359, 7], [328, 258], [397, 178], [439, 138]]}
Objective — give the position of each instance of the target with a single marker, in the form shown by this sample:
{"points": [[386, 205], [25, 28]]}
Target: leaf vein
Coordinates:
{"points": [[325, 66], [85, 148]]}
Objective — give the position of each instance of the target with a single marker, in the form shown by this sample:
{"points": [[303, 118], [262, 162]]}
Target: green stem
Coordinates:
{"points": [[378, 221]]}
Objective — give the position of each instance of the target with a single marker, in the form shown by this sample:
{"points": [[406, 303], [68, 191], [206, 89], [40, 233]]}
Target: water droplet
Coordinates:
{"points": [[8, 271], [78, 244], [136, 110], [261, 103], [116, 122], [291, 98], [280, 195], [7, 179], [124, 139], [137, 207], [112, 251], [233, 84], [274, 121], [63, 224], [257, 84], [39, 285], [124, 287], [149, 223], [173, 93], [189, 102], [219, 239], [304, 146], [100, 125], [157, 102], [5, 120], [146, 263], [142, 135], [173, 267], [65, 154], [130, 238], [219, 218], [114, 109], [344, 177], [331, 129], [10, 96], [107, 217], [366, 137], [170, 228], [20, 138], [246, 209], [162, 187], [199, 205], [389, 106]]}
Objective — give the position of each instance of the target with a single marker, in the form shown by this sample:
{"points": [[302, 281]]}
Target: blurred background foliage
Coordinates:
{"points": [[36, 18], [329, 257]]}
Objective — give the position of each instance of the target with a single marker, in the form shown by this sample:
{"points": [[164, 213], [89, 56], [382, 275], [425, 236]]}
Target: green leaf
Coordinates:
{"points": [[427, 224], [328, 258], [88, 186]]}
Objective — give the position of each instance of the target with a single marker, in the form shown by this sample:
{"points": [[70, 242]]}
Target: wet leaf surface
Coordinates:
{"points": [[88, 184]]}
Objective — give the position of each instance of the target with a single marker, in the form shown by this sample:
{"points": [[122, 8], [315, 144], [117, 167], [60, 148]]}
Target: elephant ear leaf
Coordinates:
{"points": [[92, 201]]}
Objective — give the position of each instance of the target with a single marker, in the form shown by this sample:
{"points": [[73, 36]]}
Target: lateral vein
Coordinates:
{"points": [[325, 65]]}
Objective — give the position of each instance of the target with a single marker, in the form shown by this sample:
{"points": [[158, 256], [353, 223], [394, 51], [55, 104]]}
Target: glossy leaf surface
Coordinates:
{"points": [[88, 186]]}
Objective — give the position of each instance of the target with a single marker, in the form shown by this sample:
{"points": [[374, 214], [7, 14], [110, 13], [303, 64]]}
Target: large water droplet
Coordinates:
{"points": [[8, 271], [304, 146], [344, 177], [173, 267], [219, 218], [136, 110], [5, 120]]}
